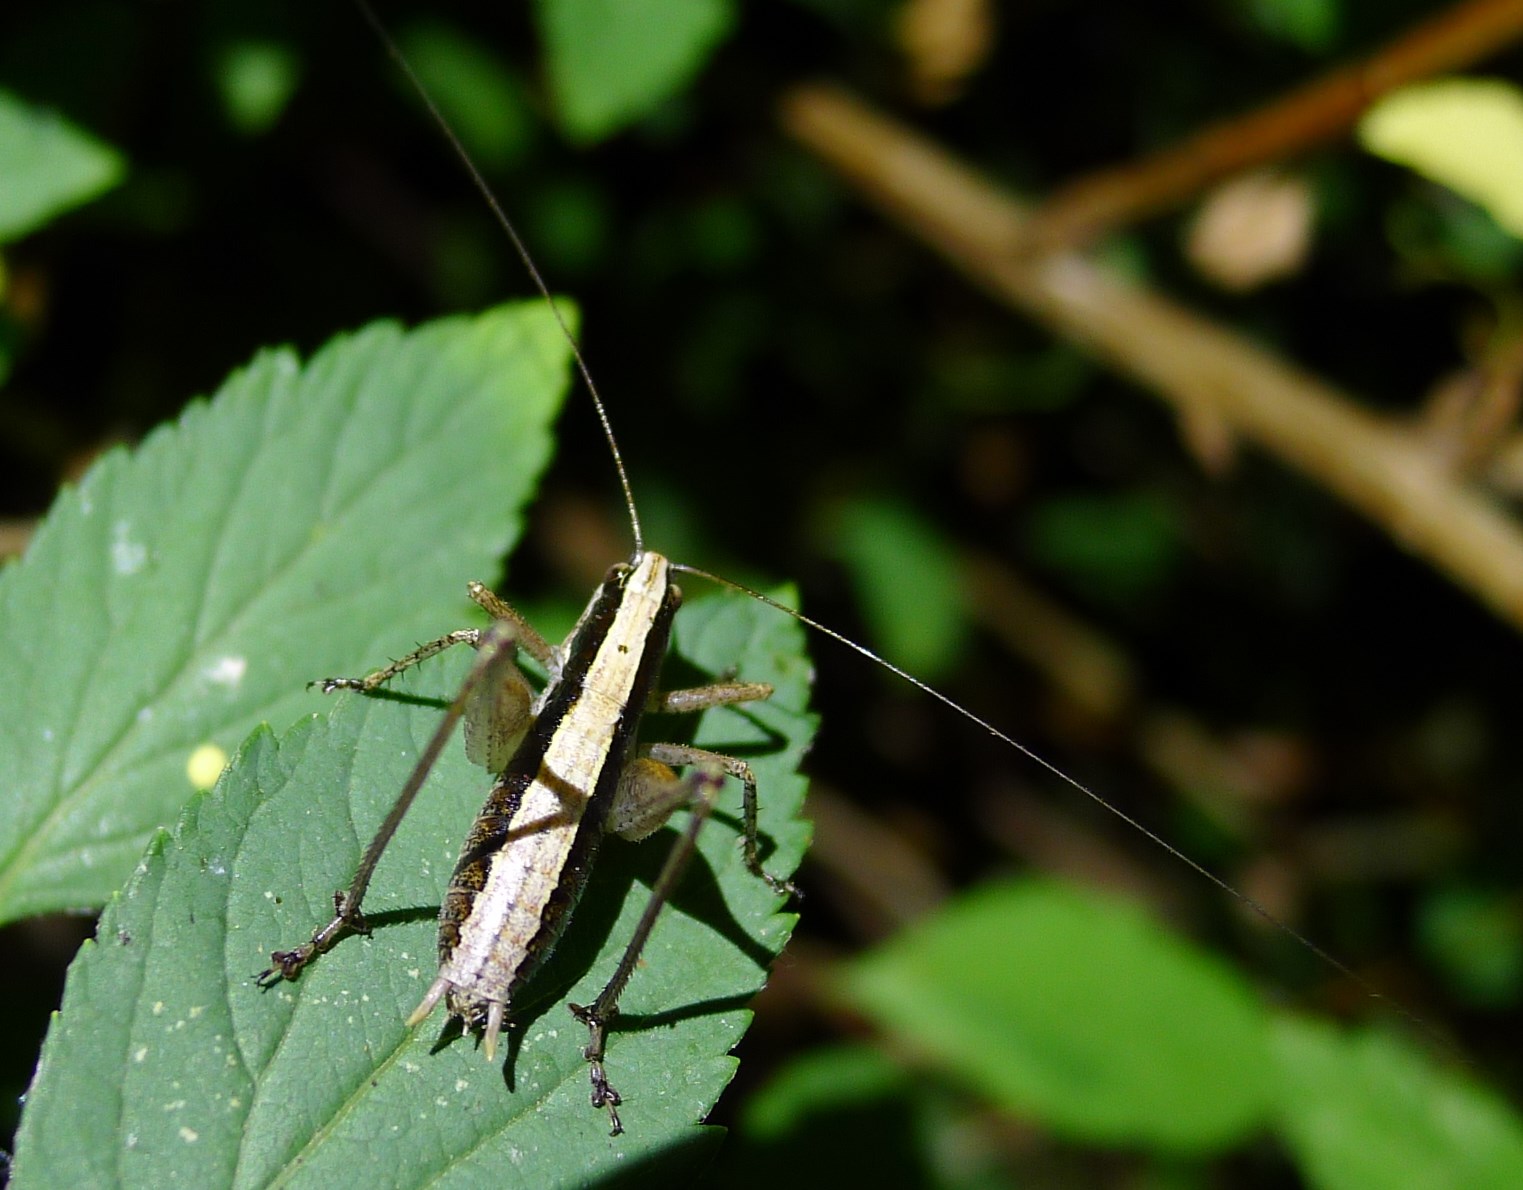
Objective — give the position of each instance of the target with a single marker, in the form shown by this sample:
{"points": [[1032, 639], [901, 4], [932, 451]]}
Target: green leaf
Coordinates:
{"points": [[849, 1115], [1310, 24], [48, 166], [612, 61], [167, 1065], [821, 1081], [474, 89], [256, 80], [1466, 134], [572, 225], [1119, 546], [304, 521], [1078, 1011], [1452, 239], [908, 583], [1367, 1111], [1474, 936]]}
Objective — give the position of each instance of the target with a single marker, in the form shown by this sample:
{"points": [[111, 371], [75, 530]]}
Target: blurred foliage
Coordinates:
{"points": [[1309, 24], [609, 64], [1113, 546], [1464, 133], [772, 352], [257, 79], [1004, 1026], [48, 166], [907, 582]]}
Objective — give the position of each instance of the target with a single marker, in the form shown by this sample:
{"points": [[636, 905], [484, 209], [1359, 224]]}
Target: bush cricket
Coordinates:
{"points": [[569, 767]]}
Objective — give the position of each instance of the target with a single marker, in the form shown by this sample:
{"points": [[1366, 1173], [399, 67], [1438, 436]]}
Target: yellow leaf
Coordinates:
{"points": [[1466, 134]]}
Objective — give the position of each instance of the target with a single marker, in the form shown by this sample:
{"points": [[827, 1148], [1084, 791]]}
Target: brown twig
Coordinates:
{"points": [[1467, 417], [1187, 360], [1313, 114]]}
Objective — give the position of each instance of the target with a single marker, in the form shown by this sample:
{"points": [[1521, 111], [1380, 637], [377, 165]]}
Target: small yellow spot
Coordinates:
{"points": [[189, 1135], [205, 766]]}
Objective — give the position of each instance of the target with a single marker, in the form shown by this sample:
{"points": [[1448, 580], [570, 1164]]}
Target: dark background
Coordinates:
{"points": [[772, 351]]}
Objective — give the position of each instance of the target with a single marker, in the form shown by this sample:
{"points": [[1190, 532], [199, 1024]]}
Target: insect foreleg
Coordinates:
{"points": [[524, 635], [377, 678]]}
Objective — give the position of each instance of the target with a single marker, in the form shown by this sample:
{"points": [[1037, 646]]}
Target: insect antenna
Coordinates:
{"points": [[1242, 898], [508, 227], [503, 221]]}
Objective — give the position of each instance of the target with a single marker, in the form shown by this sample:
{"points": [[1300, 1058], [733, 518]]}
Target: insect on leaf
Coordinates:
{"points": [[302, 522], [168, 1064]]}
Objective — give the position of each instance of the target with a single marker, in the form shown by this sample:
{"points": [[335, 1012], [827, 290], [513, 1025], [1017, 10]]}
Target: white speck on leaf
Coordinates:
{"points": [[226, 671], [127, 556]]}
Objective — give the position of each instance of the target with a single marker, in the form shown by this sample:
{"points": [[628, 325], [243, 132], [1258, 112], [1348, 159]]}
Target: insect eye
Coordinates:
{"points": [[617, 573]]}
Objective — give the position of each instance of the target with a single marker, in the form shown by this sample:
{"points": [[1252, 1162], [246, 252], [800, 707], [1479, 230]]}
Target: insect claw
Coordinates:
{"points": [[610, 1103], [285, 964], [783, 888], [604, 1096]]}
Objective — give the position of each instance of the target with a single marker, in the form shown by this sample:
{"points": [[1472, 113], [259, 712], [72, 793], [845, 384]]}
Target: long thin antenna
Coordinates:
{"points": [[518, 246], [1242, 898], [507, 226]]}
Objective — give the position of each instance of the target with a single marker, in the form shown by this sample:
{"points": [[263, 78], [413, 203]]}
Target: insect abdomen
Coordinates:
{"points": [[526, 859]]}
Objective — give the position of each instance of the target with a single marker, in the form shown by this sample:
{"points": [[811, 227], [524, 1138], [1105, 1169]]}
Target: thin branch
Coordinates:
{"points": [[1318, 112], [1190, 362]]}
